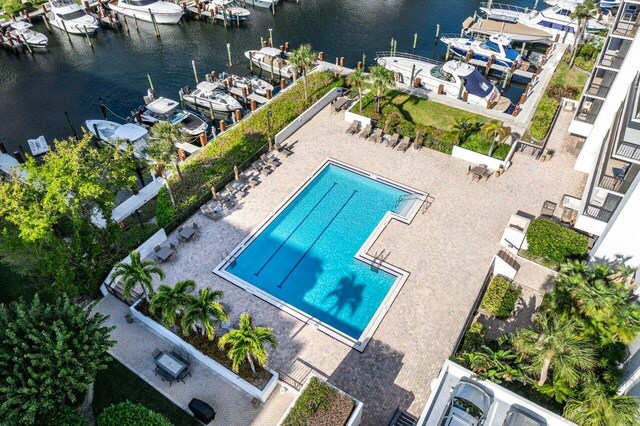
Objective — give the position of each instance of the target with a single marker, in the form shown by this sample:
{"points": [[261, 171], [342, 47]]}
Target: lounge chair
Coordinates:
{"points": [[283, 149], [393, 140], [249, 179], [354, 128], [269, 161], [376, 136], [210, 213], [404, 144], [366, 132]]}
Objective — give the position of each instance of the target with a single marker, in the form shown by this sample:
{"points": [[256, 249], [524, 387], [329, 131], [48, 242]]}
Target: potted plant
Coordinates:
{"points": [[500, 171], [550, 153]]}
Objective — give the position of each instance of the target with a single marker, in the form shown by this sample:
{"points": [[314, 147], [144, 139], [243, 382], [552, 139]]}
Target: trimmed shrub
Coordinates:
{"points": [[543, 117], [553, 241], [500, 297], [319, 404], [130, 414], [474, 337]]}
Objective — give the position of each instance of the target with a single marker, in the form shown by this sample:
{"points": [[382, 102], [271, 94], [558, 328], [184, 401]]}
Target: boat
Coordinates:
{"points": [[241, 78], [453, 77], [228, 10], [271, 60], [210, 95], [22, 30], [497, 46], [608, 4], [165, 109], [164, 12], [68, 16], [516, 32], [262, 3], [120, 135]]}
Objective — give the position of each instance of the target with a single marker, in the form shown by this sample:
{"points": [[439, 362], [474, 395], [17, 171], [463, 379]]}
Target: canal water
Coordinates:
{"points": [[36, 90]]}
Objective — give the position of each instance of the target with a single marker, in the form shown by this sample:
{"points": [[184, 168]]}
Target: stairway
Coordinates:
{"points": [[402, 418]]}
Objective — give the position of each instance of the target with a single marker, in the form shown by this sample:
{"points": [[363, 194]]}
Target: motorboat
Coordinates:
{"points": [[271, 60], [164, 12], [515, 31], [453, 77], [608, 4], [22, 31], [68, 16], [262, 3], [165, 109], [210, 95], [243, 80], [228, 10], [120, 135], [497, 46], [556, 19]]}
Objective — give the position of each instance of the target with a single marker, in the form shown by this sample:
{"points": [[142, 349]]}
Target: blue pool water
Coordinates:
{"points": [[305, 256]]}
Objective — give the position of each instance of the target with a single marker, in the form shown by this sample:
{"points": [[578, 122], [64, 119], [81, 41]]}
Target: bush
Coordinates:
{"points": [[67, 417], [543, 117], [553, 241], [320, 404], [558, 92], [474, 337], [500, 297], [12, 7], [164, 209], [130, 414]]}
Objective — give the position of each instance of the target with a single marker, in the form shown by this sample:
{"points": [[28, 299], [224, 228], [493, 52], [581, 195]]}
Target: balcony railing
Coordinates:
{"points": [[588, 110], [626, 29], [615, 184], [611, 61], [598, 213], [598, 90], [628, 150]]}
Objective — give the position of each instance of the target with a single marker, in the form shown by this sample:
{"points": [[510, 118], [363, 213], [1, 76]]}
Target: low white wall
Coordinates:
{"points": [[356, 415], [500, 267], [477, 158], [230, 376], [308, 114], [350, 116]]}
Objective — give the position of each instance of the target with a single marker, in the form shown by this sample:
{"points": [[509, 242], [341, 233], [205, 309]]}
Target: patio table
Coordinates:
{"points": [[478, 171], [340, 103], [187, 233], [170, 364], [164, 253]]}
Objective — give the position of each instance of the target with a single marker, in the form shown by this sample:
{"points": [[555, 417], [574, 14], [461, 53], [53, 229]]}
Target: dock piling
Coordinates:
{"points": [[415, 42], [155, 24], [437, 34], [364, 58], [44, 17], [86, 33], [195, 73], [135, 18], [64, 26], [150, 82], [24, 40], [229, 54]]}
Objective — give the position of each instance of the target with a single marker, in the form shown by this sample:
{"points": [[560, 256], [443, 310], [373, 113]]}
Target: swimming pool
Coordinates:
{"points": [[310, 256]]}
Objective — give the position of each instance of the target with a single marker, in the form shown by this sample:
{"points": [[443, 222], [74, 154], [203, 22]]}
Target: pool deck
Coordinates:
{"points": [[447, 250]]}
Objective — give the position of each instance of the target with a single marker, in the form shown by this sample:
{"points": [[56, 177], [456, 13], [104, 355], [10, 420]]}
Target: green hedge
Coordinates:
{"points": [[500, 297], [321, 404], [543, 117], [130, 414], [474, 337], [553, 241]]}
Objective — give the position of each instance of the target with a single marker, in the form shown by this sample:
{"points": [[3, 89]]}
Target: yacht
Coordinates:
{"points": [[164, 109], [68, 16], [120, 135], [164, 12], [516, 32], [258, 86], [452, 76], [210, 95], [497, 45], [271, 59], [262, 3], [22, 31], [233, 12]]}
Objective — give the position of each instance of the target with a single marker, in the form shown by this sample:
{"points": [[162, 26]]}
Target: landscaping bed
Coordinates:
{"points": [[554, 242], [500, 298], [210, 348], [320, 404]]}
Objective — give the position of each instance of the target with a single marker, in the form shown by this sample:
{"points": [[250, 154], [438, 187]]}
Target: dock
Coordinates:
{"points": [[517, 72]]}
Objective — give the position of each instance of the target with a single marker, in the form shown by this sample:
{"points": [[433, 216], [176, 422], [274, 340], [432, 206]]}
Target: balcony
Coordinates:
{"points": [[613, 56], [628, 150], [628, 141], [627, 24], [618, 179], [602, 205], [589, 109], [600, 83]]}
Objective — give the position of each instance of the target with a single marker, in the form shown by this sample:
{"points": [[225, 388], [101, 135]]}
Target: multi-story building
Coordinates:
{"points": [[608, 117]]}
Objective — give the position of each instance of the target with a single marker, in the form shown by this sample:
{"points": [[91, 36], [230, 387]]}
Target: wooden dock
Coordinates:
{"points": [[519, 72], [251, 96]]}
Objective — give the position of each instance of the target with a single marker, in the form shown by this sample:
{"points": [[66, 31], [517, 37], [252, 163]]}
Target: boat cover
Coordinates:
{"points": [[130, 132], [476, 84]]}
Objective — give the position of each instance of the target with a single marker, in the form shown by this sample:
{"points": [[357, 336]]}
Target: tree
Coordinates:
{"points": [[381, 78], [162, 149], [248, 344], [130, 414], [581, 13], [557, 345], [137, 272], [496, 131], [200, 311], [462, 126], [494, 365], [599, 406], [49, 356], [356, 79], [172, 300], [303, 59]]}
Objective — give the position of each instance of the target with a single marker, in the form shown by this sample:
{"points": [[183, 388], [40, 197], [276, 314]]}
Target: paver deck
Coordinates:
{"points": [[448, 251]]}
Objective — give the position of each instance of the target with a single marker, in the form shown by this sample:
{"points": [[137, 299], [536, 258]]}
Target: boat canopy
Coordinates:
{"points": [[20, 25], [130, 132], [205, 86], [476, 84], [162, 106], [271, 51]]}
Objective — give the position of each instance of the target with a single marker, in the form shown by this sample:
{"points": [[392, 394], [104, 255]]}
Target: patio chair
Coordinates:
{"points": [[404, 144], [156, 353], [376, 136], [265, 170], [269, 161], [353, 128], [181, 354], [250, 179], [366, 132], [184, 374], [548, 208], [210, 212], [283, 149], [393, 140], [156, 249], [196, 226]]}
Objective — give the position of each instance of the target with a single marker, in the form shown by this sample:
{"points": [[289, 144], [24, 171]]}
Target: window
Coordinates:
{"points": [[72, 15]]}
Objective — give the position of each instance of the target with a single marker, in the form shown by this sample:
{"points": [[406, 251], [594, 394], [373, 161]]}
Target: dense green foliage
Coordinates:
{"points": [[130, 414], [49, 355], [247, 343], [474, 337], [317, 397], [543, 117], [500, 297], [136, 272], [551, 240]]}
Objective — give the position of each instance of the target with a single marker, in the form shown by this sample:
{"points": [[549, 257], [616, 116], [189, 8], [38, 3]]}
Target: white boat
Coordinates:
{"points": [[497, 46], [68, 16], [210, 95], [608, 4], [164, 12], [455, 77], [517, 32], [262, 3], [270, 59], [165, 109], [22, 31], [228, 10], [120, 135], [244, 80]]}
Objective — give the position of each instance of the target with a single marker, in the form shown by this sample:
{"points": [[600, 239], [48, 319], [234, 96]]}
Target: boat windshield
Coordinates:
{"points": [[438, 73], [489, 45], [76, 14], [140, 2]]}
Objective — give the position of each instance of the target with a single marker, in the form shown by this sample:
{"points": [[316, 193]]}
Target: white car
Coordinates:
{"points": [[468, 405]]}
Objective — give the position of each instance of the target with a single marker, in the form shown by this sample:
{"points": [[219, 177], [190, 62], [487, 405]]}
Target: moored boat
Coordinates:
{"points": [[210, 95], [497, 46], [165, 109], [120, 135], [271, 60], [68, 16], [23, 32], [163, 12]]}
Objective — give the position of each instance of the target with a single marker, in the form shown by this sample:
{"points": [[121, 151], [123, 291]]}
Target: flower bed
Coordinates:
{"points": [[500, 298], [320, 404]]}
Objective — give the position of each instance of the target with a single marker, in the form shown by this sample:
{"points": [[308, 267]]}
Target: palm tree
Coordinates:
{"points": [[200, 310], [581, 13], [495, 365], [162, 149], [248, 343], [495, 130], [303, 59], [462, 126], [172, 300], [137, 272], [381, 78], [558, 345], [356, 78], [600, 407]]}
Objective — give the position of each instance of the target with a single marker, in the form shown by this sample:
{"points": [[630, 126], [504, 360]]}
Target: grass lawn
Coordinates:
{"points": [[564, 76], [117, 384]]}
